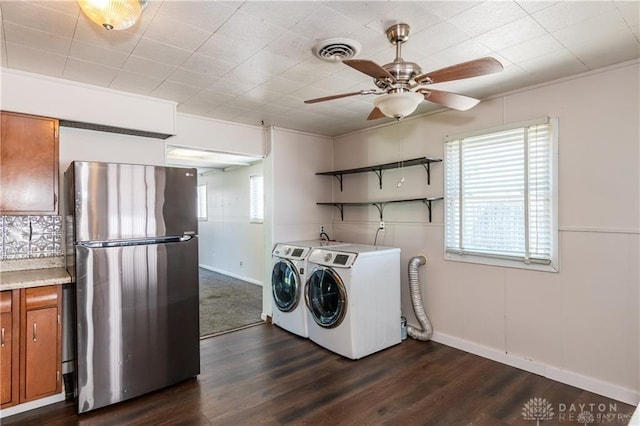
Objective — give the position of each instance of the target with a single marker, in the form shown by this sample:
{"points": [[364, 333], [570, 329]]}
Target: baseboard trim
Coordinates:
{"points": [[231, 274], [590, 384], [32, 405]]}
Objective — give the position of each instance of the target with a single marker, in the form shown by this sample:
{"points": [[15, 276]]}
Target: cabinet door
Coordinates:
{"points": [[9, 361], [29, 158], [40, 342], [41, 353], [5, 357]]}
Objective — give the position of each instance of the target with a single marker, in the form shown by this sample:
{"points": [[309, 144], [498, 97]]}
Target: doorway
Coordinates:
{"points": [[230, 236]]}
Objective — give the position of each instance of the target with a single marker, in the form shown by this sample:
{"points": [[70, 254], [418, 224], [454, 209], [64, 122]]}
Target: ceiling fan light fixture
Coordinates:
{"points": [[398, 105], [397, 79], [113, 14]]}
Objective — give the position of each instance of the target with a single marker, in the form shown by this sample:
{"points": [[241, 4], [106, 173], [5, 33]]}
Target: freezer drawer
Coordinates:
{"points": [[137, 320]]}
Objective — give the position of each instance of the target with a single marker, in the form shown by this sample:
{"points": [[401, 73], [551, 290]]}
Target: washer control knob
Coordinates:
{"points": [[287, 251], [327, 257]]}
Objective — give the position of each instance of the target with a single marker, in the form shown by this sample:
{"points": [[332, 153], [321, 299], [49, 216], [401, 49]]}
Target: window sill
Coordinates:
{"points": [[504, 263]]}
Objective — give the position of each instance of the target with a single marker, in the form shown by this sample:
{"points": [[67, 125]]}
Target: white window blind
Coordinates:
{"points": [[202, 202], [500, 196], [256, 211]]}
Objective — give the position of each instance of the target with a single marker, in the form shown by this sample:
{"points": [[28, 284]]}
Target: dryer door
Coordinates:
{"points": [[285, 285], [326, 297]]}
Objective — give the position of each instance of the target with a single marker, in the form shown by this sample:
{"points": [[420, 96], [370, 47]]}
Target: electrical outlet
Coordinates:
{"points": [[381, 225], [241, 263]]}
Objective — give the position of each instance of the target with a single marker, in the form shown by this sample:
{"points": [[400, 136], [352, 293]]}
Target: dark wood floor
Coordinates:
{"points": [[264, 375]]}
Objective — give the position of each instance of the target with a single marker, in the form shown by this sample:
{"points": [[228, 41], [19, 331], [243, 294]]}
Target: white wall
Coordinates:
{"points": [[66, 100], [216, 135], [296, 158], [227, 238], [580, 325], [292, 190], [87, 145]]}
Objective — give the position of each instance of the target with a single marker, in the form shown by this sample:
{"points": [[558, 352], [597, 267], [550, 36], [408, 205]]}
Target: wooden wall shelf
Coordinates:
{"points": [[379, 168], [380, 205]]}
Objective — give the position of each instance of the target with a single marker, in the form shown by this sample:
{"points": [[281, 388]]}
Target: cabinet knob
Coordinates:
{"points": [[2, 338], [35, 332]]}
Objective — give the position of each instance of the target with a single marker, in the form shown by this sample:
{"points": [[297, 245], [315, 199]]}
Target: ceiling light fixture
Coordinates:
{"points": [[398, 105], [113, 14]]}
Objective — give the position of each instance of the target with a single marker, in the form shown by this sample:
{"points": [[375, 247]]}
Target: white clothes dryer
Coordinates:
{"points": [[353, 302], [289, 263]]}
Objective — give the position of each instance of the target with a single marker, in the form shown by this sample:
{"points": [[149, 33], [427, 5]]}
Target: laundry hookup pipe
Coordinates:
{"points": [[416, 300]]}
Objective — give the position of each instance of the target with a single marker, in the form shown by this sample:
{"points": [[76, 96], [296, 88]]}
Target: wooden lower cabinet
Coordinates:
{"points": [[31, 366], [5, 356], [9, 347]]}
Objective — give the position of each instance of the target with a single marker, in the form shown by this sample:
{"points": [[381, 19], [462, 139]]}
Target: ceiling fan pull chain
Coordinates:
{"points": [[400, 153]]}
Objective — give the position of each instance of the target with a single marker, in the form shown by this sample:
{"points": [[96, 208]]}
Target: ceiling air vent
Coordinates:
{"points": [[336, 49]]}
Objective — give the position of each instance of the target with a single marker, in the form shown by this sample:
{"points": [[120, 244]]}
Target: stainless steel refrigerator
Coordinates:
{"points": [[135, 265]]}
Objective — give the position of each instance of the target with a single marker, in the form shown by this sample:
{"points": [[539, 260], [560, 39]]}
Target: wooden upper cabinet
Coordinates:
{"points": [[28, 164]]}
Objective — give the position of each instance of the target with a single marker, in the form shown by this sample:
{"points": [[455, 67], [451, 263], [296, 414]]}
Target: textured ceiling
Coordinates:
{"points": [[251, 61]]}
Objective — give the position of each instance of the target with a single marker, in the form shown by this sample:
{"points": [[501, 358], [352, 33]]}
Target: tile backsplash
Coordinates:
{"points": [[26, 237]]}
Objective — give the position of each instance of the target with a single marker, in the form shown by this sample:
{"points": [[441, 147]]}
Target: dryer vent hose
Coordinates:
{"points": [[416, 300]]}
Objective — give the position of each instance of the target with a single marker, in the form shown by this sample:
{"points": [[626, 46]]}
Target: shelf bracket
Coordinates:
{"points": [[341, 208], [428, 204], [339, 177], [380, 207], [427, 168], [378, 173]]}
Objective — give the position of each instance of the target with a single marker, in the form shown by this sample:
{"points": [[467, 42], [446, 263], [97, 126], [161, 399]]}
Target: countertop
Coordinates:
{"points": [[33, 278]]}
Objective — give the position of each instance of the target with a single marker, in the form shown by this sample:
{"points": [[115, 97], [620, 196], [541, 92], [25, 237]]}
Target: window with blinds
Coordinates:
{"points": [[500, 196], [256, 190]]}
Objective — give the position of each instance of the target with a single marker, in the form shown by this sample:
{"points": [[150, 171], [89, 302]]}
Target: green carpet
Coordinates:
{"points": [[227, 303]]}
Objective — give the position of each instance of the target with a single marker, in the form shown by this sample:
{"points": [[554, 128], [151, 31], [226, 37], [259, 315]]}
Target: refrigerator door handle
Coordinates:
{"points": [[135, 242]]}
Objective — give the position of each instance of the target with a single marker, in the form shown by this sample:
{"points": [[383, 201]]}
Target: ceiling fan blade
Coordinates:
{"points": [[448, 99], [375, 114], [469, 69], [328, 98], [370, 68]]}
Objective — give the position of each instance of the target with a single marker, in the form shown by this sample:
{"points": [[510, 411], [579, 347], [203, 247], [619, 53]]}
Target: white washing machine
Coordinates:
{"points": [[289, 264], [352, 295]]}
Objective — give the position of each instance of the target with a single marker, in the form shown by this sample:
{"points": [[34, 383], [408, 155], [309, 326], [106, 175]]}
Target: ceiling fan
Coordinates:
{"points": [[404, 86]]}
